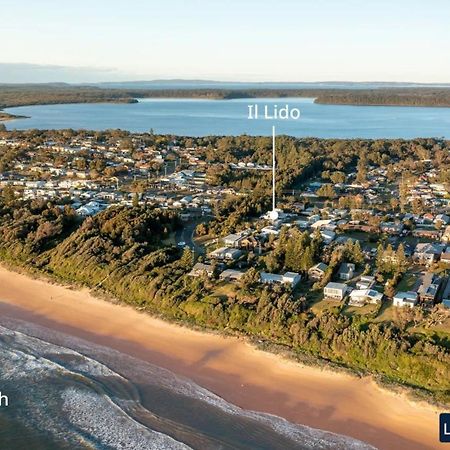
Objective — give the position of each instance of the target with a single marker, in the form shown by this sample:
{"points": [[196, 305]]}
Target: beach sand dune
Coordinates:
{"points": [[230, 367]]}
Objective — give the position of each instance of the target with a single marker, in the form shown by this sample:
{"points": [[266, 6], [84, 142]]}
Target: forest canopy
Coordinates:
{"points": [[38, 94]]}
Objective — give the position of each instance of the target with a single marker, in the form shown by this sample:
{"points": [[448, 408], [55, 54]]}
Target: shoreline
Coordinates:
{"points": [[314, 96], [230, 366], [286, 353], [6, 117]]}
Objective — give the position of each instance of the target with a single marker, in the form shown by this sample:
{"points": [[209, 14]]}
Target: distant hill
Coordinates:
{"points": [[363, 94], [212, 84]]}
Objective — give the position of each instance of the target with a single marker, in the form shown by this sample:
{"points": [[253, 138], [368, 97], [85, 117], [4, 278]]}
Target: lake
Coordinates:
{"points": [[198, 117]]}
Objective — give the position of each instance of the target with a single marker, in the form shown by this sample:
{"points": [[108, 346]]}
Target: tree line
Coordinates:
{"points": [[123, 251]]}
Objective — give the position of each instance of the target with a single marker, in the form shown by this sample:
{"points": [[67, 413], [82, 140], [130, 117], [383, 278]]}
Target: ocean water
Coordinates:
{"points": [[67, 393], [195, 117]]}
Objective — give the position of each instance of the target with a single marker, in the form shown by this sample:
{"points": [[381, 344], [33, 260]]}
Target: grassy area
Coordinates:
{"points": [[386, 313], [225, 288], [359, 310], [408, 282], [325, 305]]}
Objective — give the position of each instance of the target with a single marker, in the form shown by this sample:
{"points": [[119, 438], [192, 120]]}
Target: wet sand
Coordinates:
{"points": [[230, 367]]}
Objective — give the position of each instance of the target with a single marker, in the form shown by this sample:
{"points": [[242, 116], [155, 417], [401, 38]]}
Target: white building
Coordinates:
{"points": [[231, 274], [405, 299], [234, 240], [360, 297], [335, 291], [365, 282], [292, 278], [226, 253]]}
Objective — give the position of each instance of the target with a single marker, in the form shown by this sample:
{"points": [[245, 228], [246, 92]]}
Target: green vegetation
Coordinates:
{"points": [[43, 94], [129, 252], [388, 97], [306, 159], [36, 94], [120, 251]]}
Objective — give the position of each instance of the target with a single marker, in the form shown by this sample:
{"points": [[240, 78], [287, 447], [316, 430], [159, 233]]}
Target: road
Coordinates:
{"points": [[186, 234]]}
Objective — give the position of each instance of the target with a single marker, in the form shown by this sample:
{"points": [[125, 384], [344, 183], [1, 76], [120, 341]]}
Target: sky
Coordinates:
{"points": [[232, 40]]}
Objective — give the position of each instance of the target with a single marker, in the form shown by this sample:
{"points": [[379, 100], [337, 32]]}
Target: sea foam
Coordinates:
{"points": [[98, 398]]}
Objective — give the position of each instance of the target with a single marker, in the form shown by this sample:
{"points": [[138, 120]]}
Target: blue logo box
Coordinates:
{"points": [[444, 427]]}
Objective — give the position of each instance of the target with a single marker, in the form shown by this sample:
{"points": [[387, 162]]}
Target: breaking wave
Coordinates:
{"points": [[82, 395]]}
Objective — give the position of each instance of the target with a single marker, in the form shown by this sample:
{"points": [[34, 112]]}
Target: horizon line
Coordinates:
{"points": [[199, 80]]}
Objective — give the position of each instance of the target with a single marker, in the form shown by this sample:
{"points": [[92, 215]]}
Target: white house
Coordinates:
{"points": [[85, 211], [405, 299], [335, 291], [226, 253], [292, 278], [321, 223], [234, 240], [365, 282], [231, 274], [360, 297]]}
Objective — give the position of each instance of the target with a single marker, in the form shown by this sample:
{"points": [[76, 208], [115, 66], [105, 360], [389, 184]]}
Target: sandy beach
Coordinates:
{"points": [[230, 367]]}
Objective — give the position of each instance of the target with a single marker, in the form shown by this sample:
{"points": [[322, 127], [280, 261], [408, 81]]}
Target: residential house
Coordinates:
{"points": [[318, 271], [365, 282], [270, 230], [445, 257], [335, 291], [446, 294], [200, 269], [408, 299], [303, 224], [428, 253], [426, 232], [429, 288], [391, 227], [235, 240], [322, 223], [358, 226], [360, 297], [442, 218], [231, 275], [249, 242], [327, 236], [346, 271], [226, 253], [90, 209], [291, 278]]}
